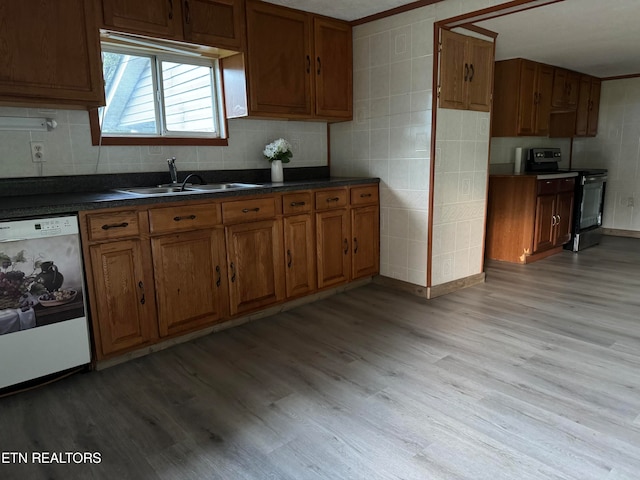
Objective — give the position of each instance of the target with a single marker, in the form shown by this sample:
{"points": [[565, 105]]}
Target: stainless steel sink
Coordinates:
{"points": [[162, 190]]}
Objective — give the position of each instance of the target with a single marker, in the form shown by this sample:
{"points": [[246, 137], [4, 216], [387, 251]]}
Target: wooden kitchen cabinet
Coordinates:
{"points": [[522, 99], [334, 248], [365, 233], [564, 96], [297, 65], [528, 219], [217, 23], [50, 55], [466, 72], [255, 265], [122, 298], [588, 107], [299, 244]]}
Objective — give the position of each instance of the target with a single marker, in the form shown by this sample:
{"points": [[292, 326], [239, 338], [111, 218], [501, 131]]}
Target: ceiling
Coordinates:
{"points": [[601, 38]]}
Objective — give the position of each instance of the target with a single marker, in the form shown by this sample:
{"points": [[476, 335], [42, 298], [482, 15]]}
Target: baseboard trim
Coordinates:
{"points": [[615, 232], [401, 285], [455, 285], [234, 322]]}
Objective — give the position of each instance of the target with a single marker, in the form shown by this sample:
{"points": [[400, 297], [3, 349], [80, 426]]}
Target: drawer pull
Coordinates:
{"points": [[346, 246], [233, 272], [289, 259], [365, 195], [333, 199], [219, 276], [554, 222], [247, 210], [355, 245], [188, 217], [141, 287], [115, 225], [298, 204]]}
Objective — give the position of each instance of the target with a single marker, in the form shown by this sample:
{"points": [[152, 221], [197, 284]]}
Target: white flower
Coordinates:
{"points": [[279, 149]]}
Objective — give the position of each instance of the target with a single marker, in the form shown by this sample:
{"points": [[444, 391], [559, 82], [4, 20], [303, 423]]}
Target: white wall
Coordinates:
{"points": [[69, 151], [391, 133], [617, 148]]}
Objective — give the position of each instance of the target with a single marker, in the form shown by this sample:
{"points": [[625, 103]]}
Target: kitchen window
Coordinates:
{"points": [[156, 97]]}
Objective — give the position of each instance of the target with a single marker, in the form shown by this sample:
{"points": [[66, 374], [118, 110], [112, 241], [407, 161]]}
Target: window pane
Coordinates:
{"points": [[188, 97], [129, 90]]}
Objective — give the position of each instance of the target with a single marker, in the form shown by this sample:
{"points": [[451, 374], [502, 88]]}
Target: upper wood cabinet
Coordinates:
{"points": [[522, 99], [466, 72], [564, 96], [50, 54], [588, 106], [216, 23], [297, 65]]}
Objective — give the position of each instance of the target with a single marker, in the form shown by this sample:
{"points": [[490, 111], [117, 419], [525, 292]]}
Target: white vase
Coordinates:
{"points": [[277, 175]]}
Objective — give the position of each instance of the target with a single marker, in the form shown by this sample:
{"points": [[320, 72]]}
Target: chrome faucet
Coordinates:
{"points": [[173, 171]]}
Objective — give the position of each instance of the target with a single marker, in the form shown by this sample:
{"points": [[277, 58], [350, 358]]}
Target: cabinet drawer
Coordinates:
{"points": [[184, 217], [249, 210], [566, 184], [547, 187], [296, 203], [327, 199], [107, 226], [367, 195]]}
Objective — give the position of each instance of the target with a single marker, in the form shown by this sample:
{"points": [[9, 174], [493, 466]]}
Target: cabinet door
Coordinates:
{"points": [[213, 22], [365, 233], [454, 73], [594, 107], [333, 68], [333, 247], [573, 87], [544, 87], [160, 18], [559, 93], [188, 279], [564, 211], [255, 265], [582, 113], [124, 315], [479, 85], [279, 57], [528, 98], [299, 245], [544, 235], [50, 54]]}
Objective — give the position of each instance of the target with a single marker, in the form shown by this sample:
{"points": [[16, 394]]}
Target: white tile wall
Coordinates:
{"points": [[390, 138], [617, 148], [69, 151]]}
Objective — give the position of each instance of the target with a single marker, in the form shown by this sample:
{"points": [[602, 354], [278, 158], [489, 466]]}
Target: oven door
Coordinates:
{"points": [[592, 202]]}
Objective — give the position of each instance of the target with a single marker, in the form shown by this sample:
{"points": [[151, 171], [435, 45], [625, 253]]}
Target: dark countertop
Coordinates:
{"points": [[51, 197]]}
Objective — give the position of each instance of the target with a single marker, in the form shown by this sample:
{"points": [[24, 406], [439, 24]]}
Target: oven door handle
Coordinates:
{"points": [[595, 179]]}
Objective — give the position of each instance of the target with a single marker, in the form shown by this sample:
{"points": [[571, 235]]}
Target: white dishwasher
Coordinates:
{"points": [[43, 320]]}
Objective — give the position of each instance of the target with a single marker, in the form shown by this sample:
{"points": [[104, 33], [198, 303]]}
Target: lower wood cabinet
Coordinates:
{"points": [[122, 298], [553, 220], [188, 279], [154, 272], [255, 265]]}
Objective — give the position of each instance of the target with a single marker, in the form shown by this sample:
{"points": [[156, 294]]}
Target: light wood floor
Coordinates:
{"points": [[533, 375]]}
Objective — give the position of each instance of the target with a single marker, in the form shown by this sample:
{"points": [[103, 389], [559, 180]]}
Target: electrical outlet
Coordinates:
{"points": [[630, 202], [37, 152]]}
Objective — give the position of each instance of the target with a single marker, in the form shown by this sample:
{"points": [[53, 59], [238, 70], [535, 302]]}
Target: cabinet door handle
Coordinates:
{"points": [[247, 210], [554, 222], [233, 272], [188, 217], [219, 280], [308, 64], [289, 259], [115, 225], [333, 199], [466, 72], [473, 72], [558, 220], [346, 246], [319, 65], [141, 287], [187, 13], [365, 195], [298, 204], [170, 9], [355, 245]]}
